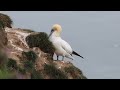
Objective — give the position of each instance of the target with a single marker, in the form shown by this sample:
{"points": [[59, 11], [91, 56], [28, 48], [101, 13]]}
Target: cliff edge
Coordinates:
{"points": [[29, 55]]}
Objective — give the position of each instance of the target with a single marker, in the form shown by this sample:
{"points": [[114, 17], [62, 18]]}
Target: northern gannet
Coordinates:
{"points": [[62, 48]]}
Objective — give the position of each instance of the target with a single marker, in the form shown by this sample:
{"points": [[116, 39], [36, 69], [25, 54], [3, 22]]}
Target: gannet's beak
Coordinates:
{"points": [[51, 32]]}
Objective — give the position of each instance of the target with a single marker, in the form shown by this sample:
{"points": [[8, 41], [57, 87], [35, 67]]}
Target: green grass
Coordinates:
{"points": [[22, 70], [31, 56], [3, 60], [12, 65], [5, 74], [29, 61], [36, 75], [40, 40], [53, 72], [1, 25], [72, 71], [29, 66], [5, 20]]}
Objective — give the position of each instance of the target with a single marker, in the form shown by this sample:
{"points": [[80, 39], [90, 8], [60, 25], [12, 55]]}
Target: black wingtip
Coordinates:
{"points": [[77, 54], [82, 57]]}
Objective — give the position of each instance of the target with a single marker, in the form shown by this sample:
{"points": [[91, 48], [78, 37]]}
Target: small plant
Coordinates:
{"points": [[1, 25], [75, 72], [53, 72], [40, 40], [72, 69], [5, 20], [69, 69], [5, 74], [21, 70], [29, 65], [29, 60], [3, 60], [12, 65], [31, 56], [36, 75]]}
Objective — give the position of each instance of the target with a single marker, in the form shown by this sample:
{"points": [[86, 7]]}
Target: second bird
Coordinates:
{"points": [[62, 48]]}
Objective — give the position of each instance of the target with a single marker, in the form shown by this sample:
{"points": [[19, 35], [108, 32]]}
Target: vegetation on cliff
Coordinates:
{"points": [[33, 62], [40, 40], [5, 21], [5, 72]]}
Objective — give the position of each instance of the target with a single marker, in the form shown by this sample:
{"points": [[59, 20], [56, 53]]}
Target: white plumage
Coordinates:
{"points": [[62, 48]]}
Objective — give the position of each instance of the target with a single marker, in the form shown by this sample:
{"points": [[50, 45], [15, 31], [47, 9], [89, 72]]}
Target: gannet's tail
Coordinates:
{"points": [[76, 54], [71, 58]]}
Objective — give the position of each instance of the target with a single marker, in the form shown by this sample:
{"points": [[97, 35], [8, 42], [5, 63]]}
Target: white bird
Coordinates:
{"points": [[62, 48]]}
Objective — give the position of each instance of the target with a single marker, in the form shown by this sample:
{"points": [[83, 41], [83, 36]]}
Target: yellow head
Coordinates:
{"points": [[56, 29]]}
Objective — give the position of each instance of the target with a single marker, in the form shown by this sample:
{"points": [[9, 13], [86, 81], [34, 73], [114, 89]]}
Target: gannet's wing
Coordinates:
{"points": [[66, 47], [76, 54]]}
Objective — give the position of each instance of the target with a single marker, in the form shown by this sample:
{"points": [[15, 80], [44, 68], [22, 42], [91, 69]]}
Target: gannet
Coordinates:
{"points": [[62, 48]]}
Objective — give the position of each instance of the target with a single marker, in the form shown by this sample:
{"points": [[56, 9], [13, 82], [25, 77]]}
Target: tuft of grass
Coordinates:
{"points": [[21, 70], [1, 25], [29, 61], [12, 65], [69, 69], [30, 55], [5, 20], [36, 75], [53, 72], [72, 70], [3, 60], [5, 74], [29, 66], [40, 40]]}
